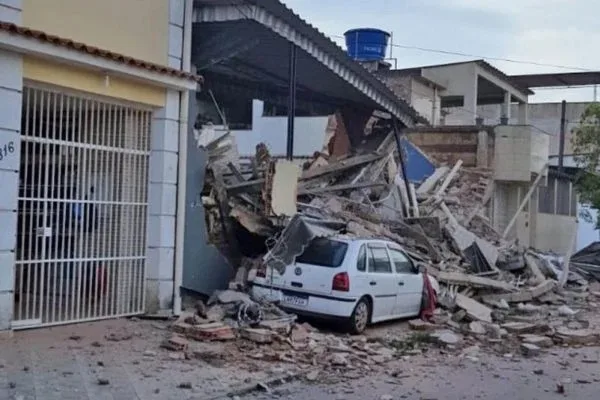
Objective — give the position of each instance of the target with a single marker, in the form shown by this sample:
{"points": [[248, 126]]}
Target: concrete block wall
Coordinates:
{"points": [[162, 190], [11, 90], [512, 153]]}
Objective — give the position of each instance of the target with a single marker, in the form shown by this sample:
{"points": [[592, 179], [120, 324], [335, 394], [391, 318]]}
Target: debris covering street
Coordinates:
{"points": [[474, 377], [46, 364]]}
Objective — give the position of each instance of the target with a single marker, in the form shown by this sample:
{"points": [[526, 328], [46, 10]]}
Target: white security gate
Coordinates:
{"points": [[82, 209]]}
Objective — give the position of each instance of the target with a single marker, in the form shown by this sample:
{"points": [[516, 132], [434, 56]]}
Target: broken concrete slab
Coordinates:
{"points": [[458, 278], [537, 275], [474, 309], [530, 350], [524, 327], [578, 336], [477, 328], [448, 338], [523, 295], [541, 341], [566, 311]]}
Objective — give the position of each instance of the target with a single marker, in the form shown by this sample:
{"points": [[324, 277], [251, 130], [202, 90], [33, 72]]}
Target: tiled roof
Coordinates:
{"points": [[95, 51]]}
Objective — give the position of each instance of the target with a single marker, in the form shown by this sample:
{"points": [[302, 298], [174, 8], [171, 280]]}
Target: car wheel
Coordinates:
{"points": [[360, 316]]}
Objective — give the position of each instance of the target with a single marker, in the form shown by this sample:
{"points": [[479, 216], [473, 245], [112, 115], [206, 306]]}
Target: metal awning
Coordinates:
{"points": [[557, 80], [248, 43]]}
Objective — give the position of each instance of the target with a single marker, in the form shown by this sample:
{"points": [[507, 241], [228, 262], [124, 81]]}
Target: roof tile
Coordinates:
{"points": [[95, 51]]}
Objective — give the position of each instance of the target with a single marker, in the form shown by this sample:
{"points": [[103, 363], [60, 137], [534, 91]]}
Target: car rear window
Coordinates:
{"points": [[324, 252]]}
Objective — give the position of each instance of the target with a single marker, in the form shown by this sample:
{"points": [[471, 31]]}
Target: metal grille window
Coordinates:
{"points": [[82, 209], [546, 197]]}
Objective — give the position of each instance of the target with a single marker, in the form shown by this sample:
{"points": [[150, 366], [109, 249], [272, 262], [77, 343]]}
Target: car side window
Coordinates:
{"points": [[402, 263], [379, 261], [361, 263]]}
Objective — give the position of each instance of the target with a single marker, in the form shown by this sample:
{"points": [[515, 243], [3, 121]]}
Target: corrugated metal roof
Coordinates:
{"points": [[283, 21], [95, 51]]}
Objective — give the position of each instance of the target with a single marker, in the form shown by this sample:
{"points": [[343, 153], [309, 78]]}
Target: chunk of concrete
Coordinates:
{"points": [[540, 341], [566, 311], [420, 325], [578, 336], [474, 309], [477, 328], [530, 350], [523, 327], [448, 338]]}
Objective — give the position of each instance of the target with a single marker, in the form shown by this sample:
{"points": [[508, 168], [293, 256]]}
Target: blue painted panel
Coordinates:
{"points": [[418, 167]]}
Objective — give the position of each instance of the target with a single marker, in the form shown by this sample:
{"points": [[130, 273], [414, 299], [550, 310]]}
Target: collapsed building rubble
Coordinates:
{"points": [[492, 289]]}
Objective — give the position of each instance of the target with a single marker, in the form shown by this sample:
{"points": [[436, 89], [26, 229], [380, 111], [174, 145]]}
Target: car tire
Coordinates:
{"points": [[360, 316]]}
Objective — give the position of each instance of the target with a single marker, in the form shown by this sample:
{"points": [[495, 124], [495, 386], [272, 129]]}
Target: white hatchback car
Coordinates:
{"points": [[360, 281]]}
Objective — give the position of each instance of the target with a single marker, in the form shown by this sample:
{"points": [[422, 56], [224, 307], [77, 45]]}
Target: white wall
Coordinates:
{"points": [[309, 134], [426, 101], [544, 116], [459, 80], [11, 90]]}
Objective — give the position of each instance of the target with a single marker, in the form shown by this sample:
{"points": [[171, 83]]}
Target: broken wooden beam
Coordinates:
{"points": [[525, 200], [340, 166], [429, 184], [339, 188], [448, 179]]}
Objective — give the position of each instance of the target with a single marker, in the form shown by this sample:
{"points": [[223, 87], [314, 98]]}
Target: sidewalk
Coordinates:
{"points": [[114, 359]]}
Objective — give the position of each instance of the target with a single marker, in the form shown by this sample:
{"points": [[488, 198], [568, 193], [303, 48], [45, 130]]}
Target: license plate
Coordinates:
{"points": [[295, 300]]}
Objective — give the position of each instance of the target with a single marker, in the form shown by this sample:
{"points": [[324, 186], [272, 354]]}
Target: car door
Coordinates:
{"points": [[382, 281], [358, 275], [409, 283]]}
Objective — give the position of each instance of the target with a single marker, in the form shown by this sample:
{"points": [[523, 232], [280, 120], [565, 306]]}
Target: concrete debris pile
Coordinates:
{"points": [[487, 281], [231, 328]]}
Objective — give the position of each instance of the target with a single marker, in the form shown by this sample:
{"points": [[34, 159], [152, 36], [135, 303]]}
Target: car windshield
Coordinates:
{"points": [[324, 252]]}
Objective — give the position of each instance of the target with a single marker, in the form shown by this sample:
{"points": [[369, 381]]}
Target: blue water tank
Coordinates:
{"points": [[366, 44]]}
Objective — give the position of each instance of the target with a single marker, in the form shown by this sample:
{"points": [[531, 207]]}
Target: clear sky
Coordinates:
{"points": [[558, 32]]}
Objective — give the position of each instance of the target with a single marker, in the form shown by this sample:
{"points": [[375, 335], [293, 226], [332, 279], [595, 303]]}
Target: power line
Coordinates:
{"points": [[461, 54]]}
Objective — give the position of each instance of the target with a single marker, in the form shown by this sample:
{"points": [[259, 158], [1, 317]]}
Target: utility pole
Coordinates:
{"points": [[291, 102], [561, 143]]}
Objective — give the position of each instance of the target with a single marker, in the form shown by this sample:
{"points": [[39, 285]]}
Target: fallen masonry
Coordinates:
{"points": [[492, 290]]}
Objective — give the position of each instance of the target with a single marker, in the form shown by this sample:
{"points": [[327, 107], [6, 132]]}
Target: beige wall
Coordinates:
{"points": [[89, 81], [137, 28], [553, 232]]}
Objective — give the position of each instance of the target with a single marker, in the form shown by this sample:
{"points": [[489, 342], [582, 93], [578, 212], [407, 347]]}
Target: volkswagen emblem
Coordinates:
{"points": [[298, 271]]}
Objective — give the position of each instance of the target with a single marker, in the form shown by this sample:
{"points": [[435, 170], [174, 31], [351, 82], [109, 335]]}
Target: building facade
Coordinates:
{"points": [[94, 101]]}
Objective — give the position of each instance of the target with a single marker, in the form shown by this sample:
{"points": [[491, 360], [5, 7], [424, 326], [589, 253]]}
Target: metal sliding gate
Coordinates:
{"points": [[81, 241]]}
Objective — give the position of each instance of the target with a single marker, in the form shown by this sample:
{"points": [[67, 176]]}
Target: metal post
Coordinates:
{"points": [[561, 143], [291, 102], [402, 162]]}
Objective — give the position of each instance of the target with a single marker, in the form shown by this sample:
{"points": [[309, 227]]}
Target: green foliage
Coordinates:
{"points": [[586, 146]]}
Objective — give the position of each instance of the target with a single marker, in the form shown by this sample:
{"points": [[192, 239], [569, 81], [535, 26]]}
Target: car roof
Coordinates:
{"points": [[360, 240]]}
